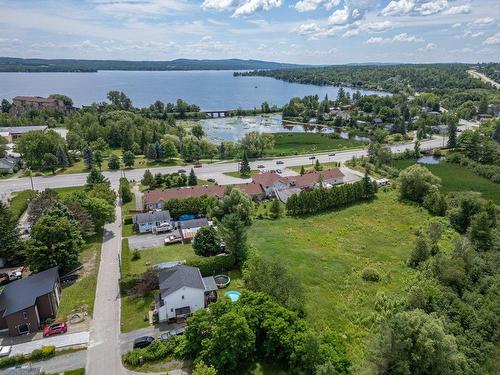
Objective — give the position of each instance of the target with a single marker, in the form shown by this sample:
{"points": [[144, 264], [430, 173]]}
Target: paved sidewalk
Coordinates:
{"points": [[59, 341]]}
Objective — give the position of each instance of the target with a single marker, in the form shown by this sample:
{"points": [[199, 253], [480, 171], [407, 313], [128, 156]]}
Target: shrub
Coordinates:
{"points": [[136, 255], [210, 266], [127, 283], [370, 274]]}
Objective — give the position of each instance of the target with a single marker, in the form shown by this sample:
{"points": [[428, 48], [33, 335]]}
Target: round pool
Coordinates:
{"points": [[233, 295]]}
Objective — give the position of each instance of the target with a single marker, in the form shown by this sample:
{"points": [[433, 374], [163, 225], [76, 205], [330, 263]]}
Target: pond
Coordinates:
{"points": [[431, 159], [235, 128]]}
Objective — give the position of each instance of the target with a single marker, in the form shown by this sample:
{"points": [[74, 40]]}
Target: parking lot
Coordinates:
{"points": [[147, 241]]}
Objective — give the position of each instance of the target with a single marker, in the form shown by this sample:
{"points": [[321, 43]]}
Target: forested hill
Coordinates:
{"points": [[10, 64]]}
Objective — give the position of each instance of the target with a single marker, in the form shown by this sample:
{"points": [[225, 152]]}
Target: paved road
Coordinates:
{"points": [[215, 170], [103, 353], [65, 362], [484, 78], [59, 341]]}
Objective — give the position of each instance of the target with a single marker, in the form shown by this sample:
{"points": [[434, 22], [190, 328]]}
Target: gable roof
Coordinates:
{"points": [[193, 223], [309, 179], [22, 129], [148, 217], [21, 294], [268, 178], [36, 99], [175, 278]]}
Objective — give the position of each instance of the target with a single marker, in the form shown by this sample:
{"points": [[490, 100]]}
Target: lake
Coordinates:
{"points": [[211, 90], [234, 128]]}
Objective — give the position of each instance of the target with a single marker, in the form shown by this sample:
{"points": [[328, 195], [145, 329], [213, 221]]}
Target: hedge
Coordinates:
{"points": [[38, 354], [489, 171], [210, 266]]}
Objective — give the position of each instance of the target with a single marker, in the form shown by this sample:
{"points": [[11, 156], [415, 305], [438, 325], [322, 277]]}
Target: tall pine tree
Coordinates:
{"points": [[245, 166]]}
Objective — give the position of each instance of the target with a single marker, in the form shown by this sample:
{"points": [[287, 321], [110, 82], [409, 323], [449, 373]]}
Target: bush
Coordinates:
{"points": [[37, 354], [370, 274], [127, 220], [127, 283], [136, 255], [210, 266], [158, 350]]}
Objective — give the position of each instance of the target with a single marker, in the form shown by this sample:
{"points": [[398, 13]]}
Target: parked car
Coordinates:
{"points": [[55, 329], [181, 171], [180, 331], [211, 180], [278, 171], [142, 342], [312, 157], [331, 154], [280, 162], [260, 166], [5, 350], [166, 336], [197, 166], [172, 239]]}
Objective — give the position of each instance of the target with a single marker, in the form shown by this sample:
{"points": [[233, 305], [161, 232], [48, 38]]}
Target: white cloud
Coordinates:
{"points": [[459, 9], [484, 21], [492, 40], [339, 17], [310, 5], [471, 34], [399, 38], [455, 25], [307, 29], [351, 32], [428, 47], [137, 8], [398, 7], [423, 8], [432, 7], [377, 26], [241, 7]]}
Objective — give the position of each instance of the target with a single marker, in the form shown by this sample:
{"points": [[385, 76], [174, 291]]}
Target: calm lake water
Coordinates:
{"points": [[211, 90], [234, 128]]}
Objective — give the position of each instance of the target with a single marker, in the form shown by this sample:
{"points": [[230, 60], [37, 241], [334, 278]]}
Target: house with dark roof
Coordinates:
{"points": [[189, 228], [183, 291], [152, 221], [26, 303]]}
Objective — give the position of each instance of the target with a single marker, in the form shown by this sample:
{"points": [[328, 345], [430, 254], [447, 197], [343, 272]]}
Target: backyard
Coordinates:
{"points": [[303, 143], [454, 177], [328, 252]]}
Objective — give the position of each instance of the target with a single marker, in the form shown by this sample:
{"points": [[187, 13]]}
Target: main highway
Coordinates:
{"points": [[214, 170]]}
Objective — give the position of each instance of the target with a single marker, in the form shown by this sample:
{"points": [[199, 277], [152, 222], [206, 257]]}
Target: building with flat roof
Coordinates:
{"points": [[11, 133]]}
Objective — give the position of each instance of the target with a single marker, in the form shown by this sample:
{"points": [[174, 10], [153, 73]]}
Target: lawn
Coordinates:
{"points": [[328, 252], [19, 202], [310, 167], [303, 143], [237, 174], [82, 292], [140, 162], [454, 177]]}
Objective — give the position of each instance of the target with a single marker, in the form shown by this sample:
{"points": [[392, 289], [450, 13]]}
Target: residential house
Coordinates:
{"points": [[11, 133], [21, 104], [26, 303], [271, 182], [151, 221], [183, 291], [7, 165], [189, 228]]}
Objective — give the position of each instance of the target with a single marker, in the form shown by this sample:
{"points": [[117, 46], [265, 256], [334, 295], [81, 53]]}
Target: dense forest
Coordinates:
{"points": [[438, 78], [10, 64]]}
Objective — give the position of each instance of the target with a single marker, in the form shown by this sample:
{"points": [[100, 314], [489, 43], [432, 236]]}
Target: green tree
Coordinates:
{"points": [[197, 131], [124, 191], [452, 132], [55, 241], [435, 202], [114, 162], [415, 182], [148, 179], [128, 159], [255, 143], [88, 156], [416, 149], [317, 166], [420, 252], [302, 170], [62, 158], [151, 153], [169, 149], [50, 162], [369, 188], [5, 106], [95, 177], [276, 210], [100, 210], [192, 180], [34, 145], [245, 170], [480, 232], [11, 246], [98, 159], [202, 369], [206, 242], [483, 105]]}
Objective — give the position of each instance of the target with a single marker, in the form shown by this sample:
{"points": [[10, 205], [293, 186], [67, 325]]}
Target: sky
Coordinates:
{"points": [[294, 31]]}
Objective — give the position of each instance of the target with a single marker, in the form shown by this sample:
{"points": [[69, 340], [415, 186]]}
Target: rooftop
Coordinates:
{"points": [[151, 216], [22, 129], [21, 294], [175, 278], [35, 99]]}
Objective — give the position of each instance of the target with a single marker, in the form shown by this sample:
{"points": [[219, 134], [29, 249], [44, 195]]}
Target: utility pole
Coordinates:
{"points": [[31, 179]]}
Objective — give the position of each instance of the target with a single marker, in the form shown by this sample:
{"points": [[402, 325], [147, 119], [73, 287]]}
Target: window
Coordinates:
{"points": [[172, 309], [182, 297], [25, 315]]}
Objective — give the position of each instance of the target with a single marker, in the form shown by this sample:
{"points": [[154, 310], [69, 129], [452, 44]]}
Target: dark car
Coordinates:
{"points": [[211, 180], [280, 162], [260, 166], [181, 171], [331, 154], [312, 157], [166, 336], [180, 331], [197, 166], [142, 342]]}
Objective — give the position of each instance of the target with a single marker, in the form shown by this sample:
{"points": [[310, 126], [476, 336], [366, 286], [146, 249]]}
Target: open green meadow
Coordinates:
{"points": [[328, 252], [454, 177], [303, 143]]}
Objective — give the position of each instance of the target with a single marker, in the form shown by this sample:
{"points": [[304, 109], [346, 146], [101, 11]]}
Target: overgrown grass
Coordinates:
{"points": [[80, 371], [19, 202], [327, 253], [82, 291], [303, 143], [65, 191], [454, 177]]}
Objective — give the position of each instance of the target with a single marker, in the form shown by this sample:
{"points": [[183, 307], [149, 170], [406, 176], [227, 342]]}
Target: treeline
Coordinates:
{"points": [[323, 199], [395, 78]]}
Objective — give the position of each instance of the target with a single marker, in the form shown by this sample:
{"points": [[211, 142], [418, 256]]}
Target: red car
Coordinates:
{"points": [[197, 166], [55, 329]]}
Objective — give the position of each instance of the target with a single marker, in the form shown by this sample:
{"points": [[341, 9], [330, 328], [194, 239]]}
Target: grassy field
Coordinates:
{"points": [[82, 292], [457, 178], [237, 174], [19, 202], [310, 167], [328, 252], [303, 143]]}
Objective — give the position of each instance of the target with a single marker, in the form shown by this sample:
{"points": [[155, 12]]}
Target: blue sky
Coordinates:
{"points": [[298, 31]]}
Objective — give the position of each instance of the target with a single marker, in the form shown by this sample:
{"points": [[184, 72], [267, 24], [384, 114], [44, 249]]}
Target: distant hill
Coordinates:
{"points": [[11, 64]]}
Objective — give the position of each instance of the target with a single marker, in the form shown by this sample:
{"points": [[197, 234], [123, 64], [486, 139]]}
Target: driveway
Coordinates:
{"points": [[127, 339], [59, 341], [147, 241]]}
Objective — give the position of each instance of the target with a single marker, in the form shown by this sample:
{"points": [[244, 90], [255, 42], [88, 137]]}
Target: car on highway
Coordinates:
{"points": [[260, 166], [312, 157], [211, 180], [142, 342], [331, 154], [181, 171], [197, 166], [280, 162], [55, 329]]}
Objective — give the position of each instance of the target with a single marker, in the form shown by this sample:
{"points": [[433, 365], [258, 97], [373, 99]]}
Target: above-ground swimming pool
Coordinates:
{"points": [[185, 217], [233, 295]]}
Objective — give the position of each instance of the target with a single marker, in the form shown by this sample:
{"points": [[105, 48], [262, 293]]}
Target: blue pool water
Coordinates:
{"points": [[185, 217], [233, 295]]}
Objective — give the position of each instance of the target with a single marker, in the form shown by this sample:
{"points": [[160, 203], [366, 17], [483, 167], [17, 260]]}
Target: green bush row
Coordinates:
{"points": [[36, 355], [156, 351], [210, 266], [491, 172]]}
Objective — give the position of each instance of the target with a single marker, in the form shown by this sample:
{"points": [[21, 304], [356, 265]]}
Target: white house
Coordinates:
{"points": [[183, 291], [152, 221]]}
